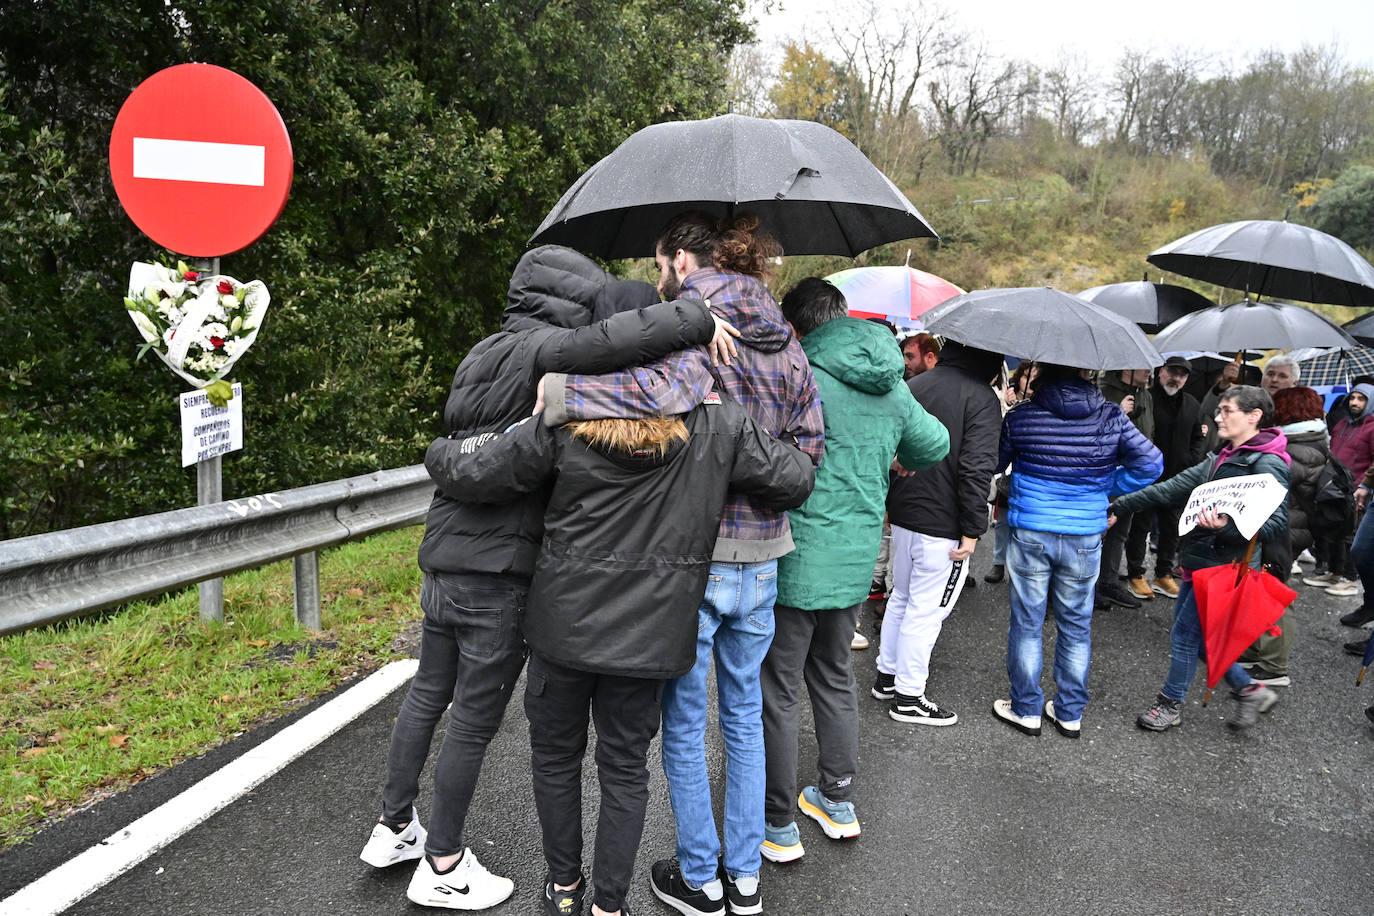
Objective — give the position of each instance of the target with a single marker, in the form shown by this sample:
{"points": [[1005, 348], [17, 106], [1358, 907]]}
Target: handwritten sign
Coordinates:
{"points": [[207, 430], [1249, 501]]}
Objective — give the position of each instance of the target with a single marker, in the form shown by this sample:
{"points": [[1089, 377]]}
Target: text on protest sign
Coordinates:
{"points": [[1249, 501], [207, 430]]}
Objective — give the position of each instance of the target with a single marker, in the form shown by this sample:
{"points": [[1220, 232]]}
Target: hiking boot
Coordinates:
{"points": [[919, 711], [781, 844], [1362, 616], [1343, 588], [996, 574], [877, 591], [1027, 725], [564, 903], [884, 686], [1261, 675], [1063, 726], [1321, 580], [743, 896], [1356, 647], [669, 885], [1140, 588], [467, 885], [1113, 593], [388, 845], [1166, 586], [1250, 702], [1161, 716], [859, 642], [837, 819]]}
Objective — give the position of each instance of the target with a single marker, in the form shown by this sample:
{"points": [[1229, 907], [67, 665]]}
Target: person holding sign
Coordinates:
{"points": [[1244, 419]]}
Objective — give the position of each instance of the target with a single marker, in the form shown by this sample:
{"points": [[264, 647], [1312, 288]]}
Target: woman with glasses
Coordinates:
{"points": [[1253, 445]]}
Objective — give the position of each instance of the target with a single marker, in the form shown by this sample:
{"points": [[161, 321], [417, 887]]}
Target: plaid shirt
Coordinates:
{"points": [[771, 379]]}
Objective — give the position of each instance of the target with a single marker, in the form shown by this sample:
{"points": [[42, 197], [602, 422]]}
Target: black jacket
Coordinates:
{"points": [[547, 328], [1309, 447], [950, 499], [1178, 429], [628, 539]]}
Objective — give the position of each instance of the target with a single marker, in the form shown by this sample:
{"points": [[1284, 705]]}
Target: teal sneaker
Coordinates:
{"points": [[781, 844], [837, 819]]}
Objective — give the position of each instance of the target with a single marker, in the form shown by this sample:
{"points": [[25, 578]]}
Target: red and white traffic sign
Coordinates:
{"points": [[201, 160]]}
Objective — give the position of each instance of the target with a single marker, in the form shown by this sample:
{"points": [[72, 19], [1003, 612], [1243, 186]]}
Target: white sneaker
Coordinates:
{"points": [[1306, 557], [860, 641], [1029, 725], [1297, 569], [1343, 588], [469, 886], [387, 848], [1069, 729]]}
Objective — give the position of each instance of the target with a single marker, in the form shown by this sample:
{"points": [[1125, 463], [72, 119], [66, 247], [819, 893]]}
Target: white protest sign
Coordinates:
{"points": [[1249, 501], [207, 430]]}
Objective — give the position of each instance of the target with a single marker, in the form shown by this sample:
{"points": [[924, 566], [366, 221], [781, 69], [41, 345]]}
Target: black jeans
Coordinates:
{"points": [[471, 653], [626, 711], [1113, 549], [1166, 558]]}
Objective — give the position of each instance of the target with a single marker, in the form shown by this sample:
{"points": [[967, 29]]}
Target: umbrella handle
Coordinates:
{"points": [[1207, 696], [1249, 555], [1359, 678]]}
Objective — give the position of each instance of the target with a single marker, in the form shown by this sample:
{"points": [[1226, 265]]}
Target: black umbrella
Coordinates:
{"points": [[1043, 325], [1150, 305], [1252, 326], [1272, 258], [1362, 329], [813, 190]]}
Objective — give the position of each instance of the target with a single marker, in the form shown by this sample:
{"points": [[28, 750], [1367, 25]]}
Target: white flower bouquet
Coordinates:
{"points": [[198, 325]]}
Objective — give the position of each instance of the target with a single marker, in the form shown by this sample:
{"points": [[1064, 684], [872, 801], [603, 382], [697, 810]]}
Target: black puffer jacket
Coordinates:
{"points": [[1309, 446], [628, 538], [547, 328]]}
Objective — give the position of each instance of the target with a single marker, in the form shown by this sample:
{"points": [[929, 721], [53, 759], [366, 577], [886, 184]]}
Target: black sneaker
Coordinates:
{"points": [[884, 686], [669, 886], [1268, 678], [1360, 617], [919, 711], [996, 574], [564, 903], [1355, 647], [737, 902], [1113, 594]]}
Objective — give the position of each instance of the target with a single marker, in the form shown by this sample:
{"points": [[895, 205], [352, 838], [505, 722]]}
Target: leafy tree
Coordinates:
{"points": [[808, 86], [1346, 208], [430, 137]]}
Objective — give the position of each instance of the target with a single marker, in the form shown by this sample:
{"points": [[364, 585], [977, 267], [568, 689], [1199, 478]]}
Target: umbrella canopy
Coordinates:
{"points": [[1272, 258], [1252, 326], [900, 294], [1362, 329], [813, 190], [1337, 367], [1044, 325], [1235, 605], [1150, 305]]}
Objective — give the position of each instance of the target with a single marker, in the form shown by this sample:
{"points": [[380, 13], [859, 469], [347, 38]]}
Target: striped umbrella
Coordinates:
{"points": [[899, 294]]}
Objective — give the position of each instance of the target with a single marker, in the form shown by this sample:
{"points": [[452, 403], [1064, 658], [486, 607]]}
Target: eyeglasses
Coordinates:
{"points": [[1227, 410]]}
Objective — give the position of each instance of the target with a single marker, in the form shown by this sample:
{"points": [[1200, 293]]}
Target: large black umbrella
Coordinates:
{"points": [[1043, 325], [813, 189], [1362, 329], [1272, 258], [1150, 305], [1252, 326]]}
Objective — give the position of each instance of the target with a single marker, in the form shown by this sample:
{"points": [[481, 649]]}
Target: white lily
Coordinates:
{"points": [[145, 326]]}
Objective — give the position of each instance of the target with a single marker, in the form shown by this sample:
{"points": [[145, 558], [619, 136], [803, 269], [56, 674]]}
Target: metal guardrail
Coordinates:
{"points": [[49, 577]]}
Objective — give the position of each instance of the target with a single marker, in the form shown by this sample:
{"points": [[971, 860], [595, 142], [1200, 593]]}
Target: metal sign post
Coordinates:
{"points": [[210, 489]]}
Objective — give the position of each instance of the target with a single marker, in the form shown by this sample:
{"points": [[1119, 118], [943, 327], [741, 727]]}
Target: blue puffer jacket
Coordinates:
{"points": [[1071, 450]]}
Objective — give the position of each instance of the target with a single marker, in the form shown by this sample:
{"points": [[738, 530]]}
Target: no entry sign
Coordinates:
{"points": [[201, 160]]}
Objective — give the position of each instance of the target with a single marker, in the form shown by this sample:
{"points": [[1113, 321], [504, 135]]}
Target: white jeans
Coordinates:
{"points": [[925, 585]]}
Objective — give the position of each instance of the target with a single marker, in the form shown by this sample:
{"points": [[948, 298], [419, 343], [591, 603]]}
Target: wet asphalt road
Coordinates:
{"points": [[970, 819]]}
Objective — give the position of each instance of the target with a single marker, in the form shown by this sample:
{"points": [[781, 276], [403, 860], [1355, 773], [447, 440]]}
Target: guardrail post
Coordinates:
{"points": [[308, 590], [209, 489]]}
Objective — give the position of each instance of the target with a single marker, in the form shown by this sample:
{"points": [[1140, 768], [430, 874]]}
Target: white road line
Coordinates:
{"points": [[194, 160], [107, 860]]}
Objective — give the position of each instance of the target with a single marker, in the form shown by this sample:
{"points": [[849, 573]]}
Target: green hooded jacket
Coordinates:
{"points": [[870, 418]]}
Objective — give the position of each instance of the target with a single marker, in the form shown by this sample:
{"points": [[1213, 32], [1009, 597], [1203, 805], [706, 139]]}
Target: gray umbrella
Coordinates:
{"points": [[813, 190], [1272, 258], [1150, 305], [1252, 326], [1362, 329], [1043, 325]]}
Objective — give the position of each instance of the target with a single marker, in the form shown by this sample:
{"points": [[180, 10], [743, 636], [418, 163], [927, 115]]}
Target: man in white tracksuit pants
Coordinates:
{"points": [[937, 517]]}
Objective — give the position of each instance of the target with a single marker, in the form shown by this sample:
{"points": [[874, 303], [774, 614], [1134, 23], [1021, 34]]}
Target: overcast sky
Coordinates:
{"points": [[1038, 30]]}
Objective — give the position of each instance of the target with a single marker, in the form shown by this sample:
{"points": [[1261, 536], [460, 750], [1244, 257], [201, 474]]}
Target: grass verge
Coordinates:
{"points": [[92, 706]]}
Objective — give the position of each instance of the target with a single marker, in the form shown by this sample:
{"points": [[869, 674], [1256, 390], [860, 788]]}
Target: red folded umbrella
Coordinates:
{"points": [[1235, 605]]}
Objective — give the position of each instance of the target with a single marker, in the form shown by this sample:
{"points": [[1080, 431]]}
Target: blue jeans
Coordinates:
{"points": [[735, 626], [1186, 646], [1362, 554], [1057, 569], [999, 541]]}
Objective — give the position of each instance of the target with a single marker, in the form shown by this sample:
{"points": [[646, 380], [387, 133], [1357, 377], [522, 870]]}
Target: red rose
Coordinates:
{"points": [[225, 288], [217, 342], [191, 275]]}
